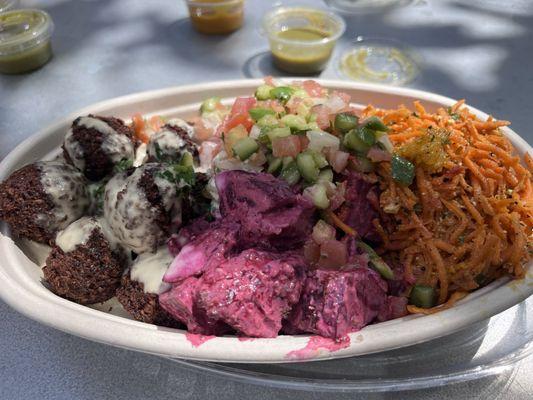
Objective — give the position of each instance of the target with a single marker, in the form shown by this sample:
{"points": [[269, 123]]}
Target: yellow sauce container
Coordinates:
{"points": [[216, 17], [24, 40], [302, 39]]}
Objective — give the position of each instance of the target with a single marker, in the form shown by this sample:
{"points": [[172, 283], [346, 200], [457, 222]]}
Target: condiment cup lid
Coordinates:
{"points": [[23, 29], [6, 5]]}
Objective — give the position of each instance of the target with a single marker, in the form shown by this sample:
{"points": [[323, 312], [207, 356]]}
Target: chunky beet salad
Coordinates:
{"points": [[256, 219]]}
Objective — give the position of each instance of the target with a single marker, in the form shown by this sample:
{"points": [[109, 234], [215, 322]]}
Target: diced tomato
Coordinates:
{"points": [[313, 89], [286, 146], [139, 128], [293, 105], [269, 80], [156, 122], [311, 251], [344, 96], [304, 142], [201, 131], [239, 119], [322, 116], [242, 105]]}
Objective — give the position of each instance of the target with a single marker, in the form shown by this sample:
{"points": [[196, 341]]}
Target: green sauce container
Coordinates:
{"points": [[24, 40]]}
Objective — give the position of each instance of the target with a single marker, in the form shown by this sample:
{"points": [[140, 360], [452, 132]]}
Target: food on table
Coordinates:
{"points": [[298, 214], [141, 286], [85, 264], [25, 44], [216, 16], [302, 39], [142, 206], [42, 198], [95, 145]]}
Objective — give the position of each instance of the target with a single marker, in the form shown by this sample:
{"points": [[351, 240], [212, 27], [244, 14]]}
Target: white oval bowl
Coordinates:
{"points": [[20, 279]]}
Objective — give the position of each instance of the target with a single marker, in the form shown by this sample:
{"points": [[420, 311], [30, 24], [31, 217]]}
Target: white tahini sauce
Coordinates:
{"points": [[115, 145], [183, 125], [76, 233], [169, 142], [67, 189], [80, 231], [140, 155], [129, 214], [149, 269]]}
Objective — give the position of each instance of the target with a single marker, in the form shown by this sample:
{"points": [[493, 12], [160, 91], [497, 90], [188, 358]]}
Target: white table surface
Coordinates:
{"points": [[481, 50]]}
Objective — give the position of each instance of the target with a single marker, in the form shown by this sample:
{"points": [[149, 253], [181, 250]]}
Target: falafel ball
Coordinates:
{"points": [[42, 198], [143, 207], [95, 144], [140, 288], [84, 265], [171, 142]]}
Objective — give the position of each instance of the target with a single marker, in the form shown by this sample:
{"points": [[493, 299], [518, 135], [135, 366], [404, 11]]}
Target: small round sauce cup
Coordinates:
{"points": [[216, 17], [24, 40], [302, 39]]}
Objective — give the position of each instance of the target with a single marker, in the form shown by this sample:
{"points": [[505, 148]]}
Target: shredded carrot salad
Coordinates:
{"points": [[467, 218]]}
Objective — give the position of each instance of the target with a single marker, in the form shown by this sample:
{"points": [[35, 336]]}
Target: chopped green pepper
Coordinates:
{"points": [[345, 122], [259, 113], [422, 296], [245, 147], [375, 124], [360, 140], [282, 93], [403, 170]]}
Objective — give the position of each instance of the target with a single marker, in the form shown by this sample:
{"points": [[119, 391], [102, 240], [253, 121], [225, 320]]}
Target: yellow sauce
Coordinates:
{"points": [[355, 65], [214, 18], [306, 55]]}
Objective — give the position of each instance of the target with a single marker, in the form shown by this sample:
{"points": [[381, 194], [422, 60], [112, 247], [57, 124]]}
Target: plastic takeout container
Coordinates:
{"points": [[216, 17], [25, 42], [302, 56]]}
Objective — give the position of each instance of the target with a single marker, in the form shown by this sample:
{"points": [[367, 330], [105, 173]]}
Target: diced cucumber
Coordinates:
{"points": [[307, 167], [209, 105], [295, 122], [319, 196], [274, 166], [422, 296], [326, 175], [245, 147], [258, 113], [263, 92], [363, 164], [320, 159], [289, 171], [267, 120], [376, 262], [278, 133]]}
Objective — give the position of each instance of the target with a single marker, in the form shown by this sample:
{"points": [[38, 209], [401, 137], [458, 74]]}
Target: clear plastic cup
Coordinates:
{"points": [[302, 39], [24, 40], [214, 17]]}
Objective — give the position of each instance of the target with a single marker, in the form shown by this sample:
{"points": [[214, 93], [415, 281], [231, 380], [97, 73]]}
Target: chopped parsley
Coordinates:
{"points": [[181, 175], [123, 165]]}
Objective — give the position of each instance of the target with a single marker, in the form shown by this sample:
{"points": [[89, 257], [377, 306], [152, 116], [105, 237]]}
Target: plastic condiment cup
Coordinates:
{"points": [[296, 55], [24, 40], [216, 17]]}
